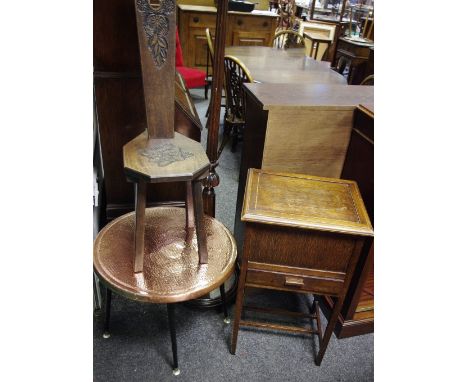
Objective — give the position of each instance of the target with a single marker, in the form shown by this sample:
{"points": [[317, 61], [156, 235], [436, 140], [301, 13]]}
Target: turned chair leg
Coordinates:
{"points": [[199, 225], [140, 226], [106, 333], [189, 209], [171, 319], [223, 301]]}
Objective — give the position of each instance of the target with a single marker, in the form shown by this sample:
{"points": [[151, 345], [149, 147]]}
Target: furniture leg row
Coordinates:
{"points": [[193, 219], [171, 321]]}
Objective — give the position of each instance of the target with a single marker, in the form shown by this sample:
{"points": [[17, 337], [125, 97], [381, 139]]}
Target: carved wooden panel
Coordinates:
{"points": [[156, 37]]}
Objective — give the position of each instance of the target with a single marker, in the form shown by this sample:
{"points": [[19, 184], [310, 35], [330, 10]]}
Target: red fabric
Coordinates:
{"points": [[194, 78], [179, 59]]}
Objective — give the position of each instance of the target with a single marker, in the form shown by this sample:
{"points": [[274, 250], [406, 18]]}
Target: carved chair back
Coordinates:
{"points": [[235, 74], [288, 39]]}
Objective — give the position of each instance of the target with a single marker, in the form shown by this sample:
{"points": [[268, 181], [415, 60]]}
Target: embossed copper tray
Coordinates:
{"points": [[171, 270]]}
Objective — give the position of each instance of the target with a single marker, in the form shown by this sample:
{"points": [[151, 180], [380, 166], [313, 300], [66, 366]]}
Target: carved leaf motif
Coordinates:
{"points": [[165, 154], [156, 27]]}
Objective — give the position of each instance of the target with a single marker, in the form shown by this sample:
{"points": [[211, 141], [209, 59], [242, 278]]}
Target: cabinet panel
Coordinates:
{"points": [[202, 20], [197, 49], [240, 30], [242, 38], [250, 23]]}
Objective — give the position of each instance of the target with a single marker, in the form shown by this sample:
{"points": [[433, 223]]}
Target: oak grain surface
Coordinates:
{"points": [[163, 160], [291, 66]]}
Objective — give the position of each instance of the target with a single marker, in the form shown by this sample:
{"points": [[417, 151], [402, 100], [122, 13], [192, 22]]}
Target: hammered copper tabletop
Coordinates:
{"points": [[171, 270]]}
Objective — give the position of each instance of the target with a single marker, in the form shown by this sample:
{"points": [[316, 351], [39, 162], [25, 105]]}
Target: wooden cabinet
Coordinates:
{"points": [[306, 129], [356, 54], [303, 234], [257, 28], [357, 314]]}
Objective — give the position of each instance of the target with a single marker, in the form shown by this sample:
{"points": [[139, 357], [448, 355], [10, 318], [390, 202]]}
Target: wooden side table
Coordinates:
{"points": [[303, 234], [356, 53]]}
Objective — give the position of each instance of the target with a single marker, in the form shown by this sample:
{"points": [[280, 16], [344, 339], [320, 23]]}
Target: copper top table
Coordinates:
{"points": [[171, 268], [272, 65]]}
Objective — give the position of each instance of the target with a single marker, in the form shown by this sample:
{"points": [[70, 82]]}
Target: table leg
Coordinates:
{"points": [[239, 305], [140, 226], [329, 330], [223, 300], [199, 225], [189, 211], [171, 318], [106, 333], [318, 321]]}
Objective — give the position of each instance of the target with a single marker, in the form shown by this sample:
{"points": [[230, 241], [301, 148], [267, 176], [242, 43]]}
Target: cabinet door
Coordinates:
{"points": [[252, 30], [243, 38], [195, 54], [199, 48]]}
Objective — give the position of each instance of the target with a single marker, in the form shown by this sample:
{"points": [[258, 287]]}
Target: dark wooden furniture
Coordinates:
{"points": [[370, 63], [357, 314], [309, 244], [120, 107], [171, 272], [160, 155], [256, 28], [356, 54], [291, 66]]}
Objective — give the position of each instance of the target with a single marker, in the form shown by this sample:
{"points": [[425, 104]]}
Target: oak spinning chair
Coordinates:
{"points": [[235, 74], [288, 39]]}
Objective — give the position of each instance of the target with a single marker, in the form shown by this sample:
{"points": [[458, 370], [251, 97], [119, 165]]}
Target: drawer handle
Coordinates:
{"points": [[294, 281], [265, 24], [239, 22], [196, 19]]}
